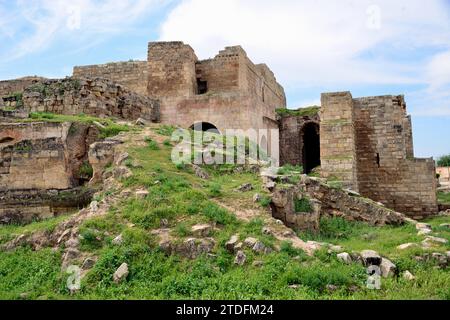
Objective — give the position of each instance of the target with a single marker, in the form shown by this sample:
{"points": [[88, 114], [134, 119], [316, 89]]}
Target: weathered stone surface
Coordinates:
{"points": [[88, 263], [118, 241], [245, 187], [388, 269], [434, 240], [250, 242], [344, 257], [122, 173], [240, 259], [199, 172], [230, 245], [121, 273], [424, 232], [408, 276], [370, 257], [420, 226], [141, 194], [256, 197], [406, 246], [259, 247], [201, 230]]}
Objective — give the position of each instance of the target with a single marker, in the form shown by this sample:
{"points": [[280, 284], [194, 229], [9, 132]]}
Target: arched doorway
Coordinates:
{"points": [[311, 146], [205, 126]]}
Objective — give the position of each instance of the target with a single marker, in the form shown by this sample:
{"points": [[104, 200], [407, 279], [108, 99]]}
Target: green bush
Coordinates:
{"points": [[219, 215], [215, 189], [302, 205], [86, 171], [444, 161]]}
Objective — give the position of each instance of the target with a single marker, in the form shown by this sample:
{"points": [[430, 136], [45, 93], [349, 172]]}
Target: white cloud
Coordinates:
{"points": [[325, 42], [35, 25]]}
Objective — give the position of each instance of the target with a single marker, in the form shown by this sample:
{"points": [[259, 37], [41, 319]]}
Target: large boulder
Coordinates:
{"points": [[121, 273], [388, 269], [370, 258]]}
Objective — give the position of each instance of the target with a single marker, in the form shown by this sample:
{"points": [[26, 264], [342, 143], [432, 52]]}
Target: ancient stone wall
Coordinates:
{"points": [[9, 87], [291, 138], [387, 171], [132, 74], [338, 139], [96, 97], [171, 70]]}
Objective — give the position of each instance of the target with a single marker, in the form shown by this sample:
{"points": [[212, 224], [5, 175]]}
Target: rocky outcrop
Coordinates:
{"points": [[96, 97], [42, 164], [337, 202]]}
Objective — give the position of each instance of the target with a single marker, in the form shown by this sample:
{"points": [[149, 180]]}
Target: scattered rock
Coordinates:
{"points": [[331, 288], [250, 242], [121, 273], [72, 243], [288, 233], [201, 230], [240, 258], [142, 122], [267, 231], [279, 222], [88, 263], [122, 158], [345, 257], [370, 258], [408, 276], [256, 197], [388, 269], [164, 223], [420, 226], [435, 240], [141, 194], [238, 247], [294, 286], [334, 248], [259, 247], [122, 173], [24, 295], [118, 241], [231, 244], [445, 225], [406, 246], [70, 254], [441, 259], [199, 172], [245, 187], [424, 232], [270, 185], [258, 263], [93, 206]]}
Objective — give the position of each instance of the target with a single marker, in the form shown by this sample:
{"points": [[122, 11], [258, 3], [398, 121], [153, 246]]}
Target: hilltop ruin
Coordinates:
{"points": [[365, 143]]}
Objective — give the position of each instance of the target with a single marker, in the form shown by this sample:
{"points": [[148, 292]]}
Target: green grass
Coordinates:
{"points": [[302, 205], [444, 198], [183, 199], [109, 127], [308, 111]]}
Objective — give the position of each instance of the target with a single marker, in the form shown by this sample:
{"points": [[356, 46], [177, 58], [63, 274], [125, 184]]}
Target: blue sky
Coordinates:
{"points": [[366, 47]]}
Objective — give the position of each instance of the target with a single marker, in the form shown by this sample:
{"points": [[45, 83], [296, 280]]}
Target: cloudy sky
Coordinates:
{"points": [[368, 47]]}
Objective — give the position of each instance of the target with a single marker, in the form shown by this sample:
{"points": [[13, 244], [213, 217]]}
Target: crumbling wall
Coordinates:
{"points": [[338, 139], [291, 137], [387, 171], [9, 87], [40, 166], [131, 74], [96, 97]]}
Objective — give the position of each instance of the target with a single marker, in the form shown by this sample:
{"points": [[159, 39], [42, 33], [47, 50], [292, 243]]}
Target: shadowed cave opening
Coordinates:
{"points": [[205, 126], [311, 146]]}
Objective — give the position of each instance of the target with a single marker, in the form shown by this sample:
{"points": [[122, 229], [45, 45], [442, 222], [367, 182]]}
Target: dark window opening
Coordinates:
{"points": [[378, 160], [311, 147], [202, 86], [7, 139], [205, 126]]}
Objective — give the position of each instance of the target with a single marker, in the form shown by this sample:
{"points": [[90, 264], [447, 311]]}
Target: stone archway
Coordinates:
{"points": [[205, 127], [311, 146]]}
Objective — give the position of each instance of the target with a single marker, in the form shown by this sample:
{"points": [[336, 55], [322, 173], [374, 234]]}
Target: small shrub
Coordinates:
{"points": [[167, 143], [182, 230], [265, 201], [165, 130], [218, 214], [152, 144], [215, 189], [86, 171], [288, 169], [302, 205]]}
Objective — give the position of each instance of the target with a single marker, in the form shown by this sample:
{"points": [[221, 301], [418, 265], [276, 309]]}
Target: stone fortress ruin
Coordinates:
{"points": [[365, 143]]}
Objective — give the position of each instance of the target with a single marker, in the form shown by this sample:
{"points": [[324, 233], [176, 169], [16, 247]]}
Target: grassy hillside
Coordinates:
{"points": [[179, 199]]}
